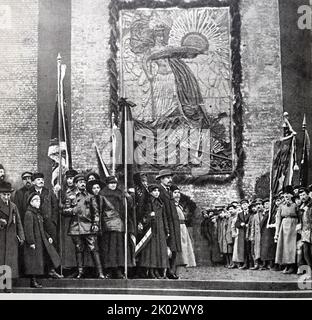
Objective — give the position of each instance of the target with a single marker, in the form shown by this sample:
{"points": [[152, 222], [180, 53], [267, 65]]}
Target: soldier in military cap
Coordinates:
{"points": [[67, 247], [20, 196], [84, 225]]}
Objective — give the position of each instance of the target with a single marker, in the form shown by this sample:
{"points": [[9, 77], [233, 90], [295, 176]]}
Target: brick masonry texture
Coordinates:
{"points": [[261, 88], [18, 87]]}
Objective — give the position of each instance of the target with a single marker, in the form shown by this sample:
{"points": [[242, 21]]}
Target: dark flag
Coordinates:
{"points": [[127, 134], [59, 141], [304, 164], [282, 169]]}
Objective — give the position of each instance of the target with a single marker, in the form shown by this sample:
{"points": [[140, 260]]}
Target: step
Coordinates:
{"points": [[201, 288]]}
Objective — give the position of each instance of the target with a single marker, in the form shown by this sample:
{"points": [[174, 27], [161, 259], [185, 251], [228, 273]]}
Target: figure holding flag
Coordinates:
{"points": [[113, 226], [59, 148], [152, 249]]}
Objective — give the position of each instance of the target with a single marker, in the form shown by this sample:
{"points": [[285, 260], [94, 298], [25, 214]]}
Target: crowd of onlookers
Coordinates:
{"points": [[258, 236]]}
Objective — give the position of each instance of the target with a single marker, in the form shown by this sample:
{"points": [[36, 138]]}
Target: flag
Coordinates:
{"points": [[282, 167], [59, 136], [283, 163], [304, 164], [127, 150], [103, 170]]}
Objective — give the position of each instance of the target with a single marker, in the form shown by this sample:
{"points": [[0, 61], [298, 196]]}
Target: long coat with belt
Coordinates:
{"points": [[174, 240], [37, 233], [8, 236]]}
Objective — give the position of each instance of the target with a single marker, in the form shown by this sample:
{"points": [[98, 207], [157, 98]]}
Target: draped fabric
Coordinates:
{"points": [[188, 89]]}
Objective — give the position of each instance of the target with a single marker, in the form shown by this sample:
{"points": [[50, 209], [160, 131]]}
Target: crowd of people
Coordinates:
{"points": [[248, 235], [65, 231], [81, 226]]}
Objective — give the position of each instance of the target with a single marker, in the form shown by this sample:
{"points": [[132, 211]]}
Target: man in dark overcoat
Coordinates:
{"points": [[11, 229], [20, 196], [242, 225], [20, 199], [174, 237], [39, 253], [49, 209]]}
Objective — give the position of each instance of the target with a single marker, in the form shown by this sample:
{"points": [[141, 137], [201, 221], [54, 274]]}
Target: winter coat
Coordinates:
{"points": [[37, 232], [9, 235]]}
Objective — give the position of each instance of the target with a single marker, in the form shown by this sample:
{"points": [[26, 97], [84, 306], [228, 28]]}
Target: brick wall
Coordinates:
{"points": [[90, 87], [260, 50], [18, 86]]}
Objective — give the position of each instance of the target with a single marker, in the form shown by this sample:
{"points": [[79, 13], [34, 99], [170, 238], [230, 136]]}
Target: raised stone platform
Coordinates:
{"points": [[199, 282]]}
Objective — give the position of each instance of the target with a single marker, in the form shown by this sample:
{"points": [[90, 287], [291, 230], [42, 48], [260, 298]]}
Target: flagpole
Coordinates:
{"points": [[303, 150], [59, 101], [126, 190], [113, 145]]}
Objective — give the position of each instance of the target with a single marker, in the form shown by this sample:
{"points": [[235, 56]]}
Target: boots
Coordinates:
{"points": [[34, 283], [97, 264], [79, 259]]}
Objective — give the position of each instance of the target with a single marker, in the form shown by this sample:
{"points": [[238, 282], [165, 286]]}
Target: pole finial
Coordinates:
{"points": [[304, 122]]}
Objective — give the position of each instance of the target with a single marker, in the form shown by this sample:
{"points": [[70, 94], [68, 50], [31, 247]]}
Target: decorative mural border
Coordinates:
{"points": [[114, 8]]}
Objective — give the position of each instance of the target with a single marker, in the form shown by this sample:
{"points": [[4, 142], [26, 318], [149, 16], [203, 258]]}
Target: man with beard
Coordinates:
{"points": [[48, 210], [2, 173], [174, 239]]}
